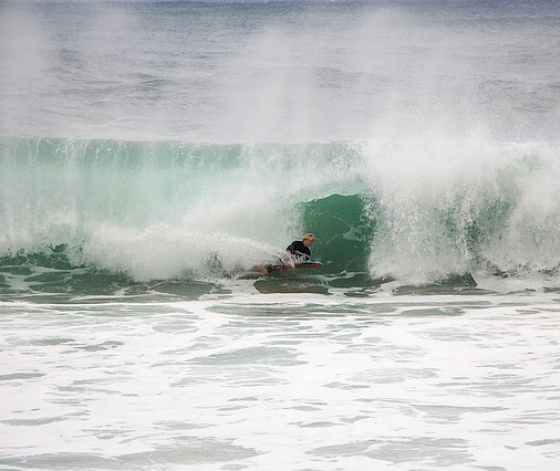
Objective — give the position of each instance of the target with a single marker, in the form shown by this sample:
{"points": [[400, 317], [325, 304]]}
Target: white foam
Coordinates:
{"points": [[284, 382]]}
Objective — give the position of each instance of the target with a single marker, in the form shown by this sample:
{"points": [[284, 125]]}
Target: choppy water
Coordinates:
{"points": [[313, 382], [151, 153]]}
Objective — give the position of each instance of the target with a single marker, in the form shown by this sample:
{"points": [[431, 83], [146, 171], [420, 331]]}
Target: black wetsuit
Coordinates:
{"points": [[295, 248], [299, 249]]}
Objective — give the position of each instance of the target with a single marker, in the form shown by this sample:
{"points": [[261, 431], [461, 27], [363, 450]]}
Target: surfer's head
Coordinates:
{"points": [[309, 238]]}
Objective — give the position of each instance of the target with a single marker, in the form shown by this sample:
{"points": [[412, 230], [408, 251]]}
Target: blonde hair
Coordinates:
{"points": [[308, 236]]}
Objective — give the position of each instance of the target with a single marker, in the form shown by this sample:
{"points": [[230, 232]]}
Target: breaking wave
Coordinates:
{"points": [[161, 210]]}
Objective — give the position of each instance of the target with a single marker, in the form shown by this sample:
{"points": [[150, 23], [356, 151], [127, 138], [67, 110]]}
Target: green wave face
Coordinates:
{"points": [[346, 234]]}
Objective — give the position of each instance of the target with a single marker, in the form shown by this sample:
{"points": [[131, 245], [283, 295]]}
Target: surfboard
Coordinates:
{"points": [[299, 265], [284, 265]]}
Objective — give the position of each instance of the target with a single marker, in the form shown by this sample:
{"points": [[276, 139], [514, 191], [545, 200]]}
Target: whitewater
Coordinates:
{"points": [[153, 153]]}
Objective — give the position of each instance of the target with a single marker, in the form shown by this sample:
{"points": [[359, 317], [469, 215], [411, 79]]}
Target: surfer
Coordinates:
{"points": [[297, 251]]}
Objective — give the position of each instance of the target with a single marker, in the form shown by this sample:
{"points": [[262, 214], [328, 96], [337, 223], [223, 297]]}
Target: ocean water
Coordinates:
{"points": [[153, 153]]}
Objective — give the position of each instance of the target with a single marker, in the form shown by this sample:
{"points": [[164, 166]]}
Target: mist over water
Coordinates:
{"points": [[288, 71]]}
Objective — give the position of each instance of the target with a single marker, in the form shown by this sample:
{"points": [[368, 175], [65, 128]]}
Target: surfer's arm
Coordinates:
{"points": [[290, 258], [302, 256], [296, 256]]}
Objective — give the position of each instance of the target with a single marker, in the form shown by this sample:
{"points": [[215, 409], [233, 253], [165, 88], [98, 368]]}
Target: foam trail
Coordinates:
{"points": [[167, 252]]}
